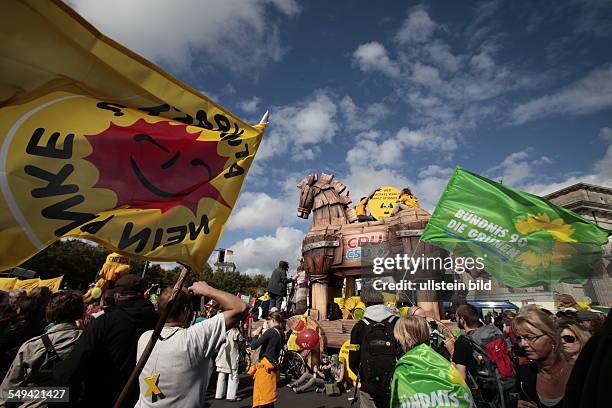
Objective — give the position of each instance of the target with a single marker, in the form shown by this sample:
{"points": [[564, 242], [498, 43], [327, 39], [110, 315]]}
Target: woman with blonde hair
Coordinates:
{"points": [[422, 375], [541, 382], [573, 339]]}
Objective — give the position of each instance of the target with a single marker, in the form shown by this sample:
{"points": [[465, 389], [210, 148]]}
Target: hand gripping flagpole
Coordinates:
{"points": [[156, 332]]}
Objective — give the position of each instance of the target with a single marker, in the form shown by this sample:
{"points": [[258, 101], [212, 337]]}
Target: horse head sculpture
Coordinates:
{"points": [[306, 196], [327, 198]]}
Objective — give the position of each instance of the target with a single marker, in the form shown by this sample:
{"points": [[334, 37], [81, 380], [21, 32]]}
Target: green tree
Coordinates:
{"points": [[77, 260]]}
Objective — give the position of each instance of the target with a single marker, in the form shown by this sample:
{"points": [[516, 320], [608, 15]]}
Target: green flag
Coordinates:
{"points": [[523, 240], [423, 378]]}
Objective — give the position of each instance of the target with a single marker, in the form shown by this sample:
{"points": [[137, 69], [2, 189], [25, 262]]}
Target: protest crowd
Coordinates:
{"points": [[528, 360]]}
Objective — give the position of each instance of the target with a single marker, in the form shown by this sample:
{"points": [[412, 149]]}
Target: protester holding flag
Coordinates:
{"points": [[423, 377], [176, 372], [542, 381]]}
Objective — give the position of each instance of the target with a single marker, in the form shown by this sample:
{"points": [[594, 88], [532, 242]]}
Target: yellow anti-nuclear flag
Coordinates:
{"points": [[96, 142]]}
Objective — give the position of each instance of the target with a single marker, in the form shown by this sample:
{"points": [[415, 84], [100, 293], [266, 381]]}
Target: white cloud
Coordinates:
{"points": [[262, 210], [261, 254], [250, 105], [356, 118], [425, 75], [449, 94], [417, 28], [518, 167], [376, 150], [306, 123], [411, 138], [289, 7], [234, 34], [603, 168], [442, 56], [257, 210], [373, 57], [589, 94], [605, 134], [430, 185], [601, 174]]}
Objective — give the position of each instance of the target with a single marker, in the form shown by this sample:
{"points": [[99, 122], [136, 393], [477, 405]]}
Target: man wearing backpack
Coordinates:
{"points": [[481, 356], [374, 350]]}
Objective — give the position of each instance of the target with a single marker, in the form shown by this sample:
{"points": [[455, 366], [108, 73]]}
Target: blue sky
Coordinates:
{"points": [[386, 93]]}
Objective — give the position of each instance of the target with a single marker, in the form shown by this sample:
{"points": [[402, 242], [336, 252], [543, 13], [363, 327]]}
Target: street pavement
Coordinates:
{"points": [[286, 397]]}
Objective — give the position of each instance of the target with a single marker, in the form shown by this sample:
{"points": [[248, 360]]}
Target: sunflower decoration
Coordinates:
{"points": [[455, 376], [557, 251]]}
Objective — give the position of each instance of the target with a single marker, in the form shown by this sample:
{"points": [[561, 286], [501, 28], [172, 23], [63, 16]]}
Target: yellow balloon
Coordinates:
{"points": [[96, 293]]}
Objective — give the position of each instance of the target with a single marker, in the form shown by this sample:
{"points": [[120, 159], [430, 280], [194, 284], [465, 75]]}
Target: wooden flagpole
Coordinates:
{"points": [[149, 348]]}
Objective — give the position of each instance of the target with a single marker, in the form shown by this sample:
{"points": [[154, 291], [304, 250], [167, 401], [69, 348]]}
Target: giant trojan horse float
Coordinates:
{"points": [[331, 249]]}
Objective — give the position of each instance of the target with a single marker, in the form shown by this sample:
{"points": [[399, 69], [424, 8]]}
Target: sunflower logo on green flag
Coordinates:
{"points": [[522, 239], [423, 378]]}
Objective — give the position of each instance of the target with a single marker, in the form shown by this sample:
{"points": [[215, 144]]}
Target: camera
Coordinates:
{"points": [[196, 303]]}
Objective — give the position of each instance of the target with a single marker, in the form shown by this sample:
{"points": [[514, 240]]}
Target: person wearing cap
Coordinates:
{"points": [[105, 355], [405, 201], [277, 287], [177, 371]]}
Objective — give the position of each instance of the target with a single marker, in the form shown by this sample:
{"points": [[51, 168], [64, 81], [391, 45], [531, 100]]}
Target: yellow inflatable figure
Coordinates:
{"points": [[343, 356], [115, 267], [291, 344]]}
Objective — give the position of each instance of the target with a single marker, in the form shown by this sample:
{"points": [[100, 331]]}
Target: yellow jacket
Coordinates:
{"points": [[409, 200], [360, 209]]}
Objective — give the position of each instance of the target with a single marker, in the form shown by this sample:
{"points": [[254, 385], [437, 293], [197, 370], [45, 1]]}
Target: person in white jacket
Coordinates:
{"points": [[227, 366]]}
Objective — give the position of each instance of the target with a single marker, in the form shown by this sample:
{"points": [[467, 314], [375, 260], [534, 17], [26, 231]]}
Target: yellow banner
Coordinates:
{"points": [[54, 283], [7, 284], [27, 284], [98, 143]]}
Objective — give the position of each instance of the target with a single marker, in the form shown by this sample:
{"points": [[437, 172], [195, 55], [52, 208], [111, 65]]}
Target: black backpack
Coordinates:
{"points": [[379, 352], [490, 386], [333, 311]]}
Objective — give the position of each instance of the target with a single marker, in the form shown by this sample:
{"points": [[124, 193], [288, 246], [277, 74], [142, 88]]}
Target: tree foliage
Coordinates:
{"points": [[232, 282], [77, 260], [80, 261]]}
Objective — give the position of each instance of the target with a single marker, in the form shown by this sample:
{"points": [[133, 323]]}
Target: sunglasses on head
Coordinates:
{"points": [[568, 339]]}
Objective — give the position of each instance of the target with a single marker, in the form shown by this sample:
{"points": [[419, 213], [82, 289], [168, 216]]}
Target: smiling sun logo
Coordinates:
{"points": [[159, 165], [555, 251]]}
